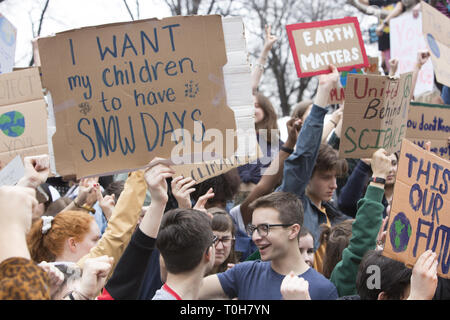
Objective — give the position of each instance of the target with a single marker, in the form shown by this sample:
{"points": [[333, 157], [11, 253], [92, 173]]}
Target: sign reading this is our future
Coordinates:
{"points": [[420, 213], [375, 114], [315, 45], [121, 92]]}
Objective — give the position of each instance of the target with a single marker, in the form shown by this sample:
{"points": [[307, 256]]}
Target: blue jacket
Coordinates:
{"points": [[298, 169]]}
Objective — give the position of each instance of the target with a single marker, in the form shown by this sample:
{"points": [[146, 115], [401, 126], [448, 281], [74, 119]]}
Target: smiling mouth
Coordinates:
{"points": [[264, 247]]}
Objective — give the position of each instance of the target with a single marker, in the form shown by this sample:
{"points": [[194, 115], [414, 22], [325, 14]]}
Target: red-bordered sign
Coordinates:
{"points": [[346, 42]]}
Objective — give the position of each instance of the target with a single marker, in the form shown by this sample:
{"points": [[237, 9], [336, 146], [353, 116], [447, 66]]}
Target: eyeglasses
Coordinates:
{"points": [[215, 240], [263, 229], [226, 241]]}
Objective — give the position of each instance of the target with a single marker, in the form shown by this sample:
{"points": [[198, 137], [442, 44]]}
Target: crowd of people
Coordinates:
{"points": [[312, 228]]}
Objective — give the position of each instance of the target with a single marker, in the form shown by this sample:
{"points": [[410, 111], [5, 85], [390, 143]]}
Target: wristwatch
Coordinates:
{"points": [[378, 180]]}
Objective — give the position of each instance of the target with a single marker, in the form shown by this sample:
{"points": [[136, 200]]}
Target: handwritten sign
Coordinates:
{"points": [[8, 34], [12, 172], [124, 93], [419, 218], [23, 115], [317, 44], [430, 122], [406, 41], [436, 30], [375, 114]]}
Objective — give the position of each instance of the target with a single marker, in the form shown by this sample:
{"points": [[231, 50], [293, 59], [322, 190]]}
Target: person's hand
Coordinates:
{"points": [[381, 237], [380, 163], [37, 169], [422, 58], [294, 288], [17, 204], [87, 193], [270, 39], [201, 202], [156, 176], [393, 63], [379, 30], [416, 10], [56, 277], [294, 125], [336, 116], [326, 83], [424, 277], [230, 265], [182, 189], [106, 203], [95, 272]]}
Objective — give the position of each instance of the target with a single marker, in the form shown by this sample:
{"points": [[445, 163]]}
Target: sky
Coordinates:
{"points": [[62, 15]]}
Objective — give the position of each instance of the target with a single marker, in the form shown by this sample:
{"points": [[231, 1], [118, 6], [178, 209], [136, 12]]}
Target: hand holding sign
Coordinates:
{"points": [[156, 176], [326, 83], [424, 277]]}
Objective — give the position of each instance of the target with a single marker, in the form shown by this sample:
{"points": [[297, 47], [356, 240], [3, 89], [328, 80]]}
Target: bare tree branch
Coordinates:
{"points": [[41, 20], [128, 8]]}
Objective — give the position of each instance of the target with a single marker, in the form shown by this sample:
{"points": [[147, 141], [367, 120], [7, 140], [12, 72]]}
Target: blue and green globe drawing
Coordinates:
{"points": [[400, 232], [12, 124]]}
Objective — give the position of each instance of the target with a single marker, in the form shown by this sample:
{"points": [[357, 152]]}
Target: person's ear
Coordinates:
{"points": [[72, 244], [382, 296], [209, 254], [295, 230]]}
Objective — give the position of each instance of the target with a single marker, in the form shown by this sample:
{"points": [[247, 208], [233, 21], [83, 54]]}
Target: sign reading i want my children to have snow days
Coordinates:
{"points": [[317, 44]]}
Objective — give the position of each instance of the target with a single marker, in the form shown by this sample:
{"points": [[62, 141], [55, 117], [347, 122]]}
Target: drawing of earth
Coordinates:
{"points": [[400, 232], [12, 124]]}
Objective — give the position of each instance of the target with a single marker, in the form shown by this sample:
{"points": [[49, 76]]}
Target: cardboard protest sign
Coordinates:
{"points": [[23, 115], [127, 92], [337, 95], [237, 78], [406, 40], [430, 122], [8, 34], [420, 214], [12, 172], [375, 114], [436, 29], [317, 44]]}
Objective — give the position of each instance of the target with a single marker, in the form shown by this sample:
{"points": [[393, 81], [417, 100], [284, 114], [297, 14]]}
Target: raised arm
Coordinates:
{"points": [[274, 173], [364, 229], [123, 220], [130, 271], [422, 58], [299, 166], [258, 69]]}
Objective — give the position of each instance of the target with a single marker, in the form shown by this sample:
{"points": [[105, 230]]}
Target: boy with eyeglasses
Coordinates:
{"points": [[278, 218]]}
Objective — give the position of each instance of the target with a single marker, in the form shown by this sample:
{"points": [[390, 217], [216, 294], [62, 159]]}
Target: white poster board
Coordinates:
{"points": [[8, 35], [406, 40]]}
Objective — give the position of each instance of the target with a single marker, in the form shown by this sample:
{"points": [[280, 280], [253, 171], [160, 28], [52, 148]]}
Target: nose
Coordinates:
{"points": [[255, 236], [219, 245], [333, 184]]}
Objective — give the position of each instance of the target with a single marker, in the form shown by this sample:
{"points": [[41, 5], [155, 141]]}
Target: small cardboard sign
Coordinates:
{"points": [[430, 122], [315, 45], [436, 30], [406, 40], [375, 114], [420, 215], [12, 172], [8, 35], [23, 115], [127, 92]]}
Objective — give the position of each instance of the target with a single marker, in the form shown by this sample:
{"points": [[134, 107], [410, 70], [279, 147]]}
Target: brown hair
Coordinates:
{"points": [[328, 159], [287, 204], [337, 239], [46, 247], [300, 109], [223, 222], [183, 238], [57, 206], [269, 121]]}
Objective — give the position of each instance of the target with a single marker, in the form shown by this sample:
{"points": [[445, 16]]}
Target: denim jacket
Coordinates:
{"points": [[298, 169]]}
